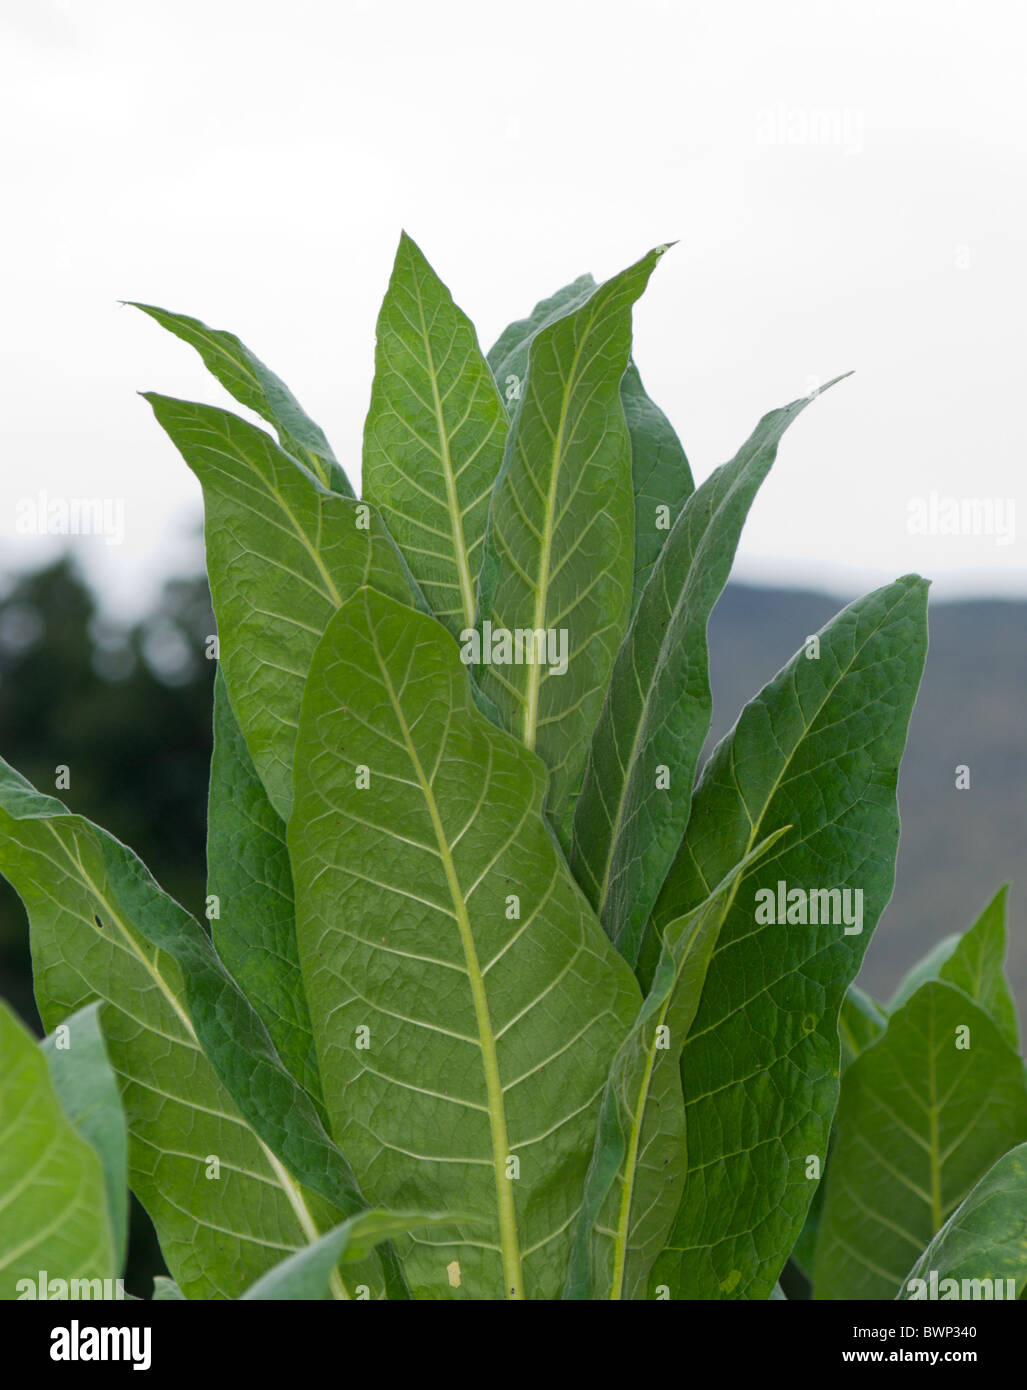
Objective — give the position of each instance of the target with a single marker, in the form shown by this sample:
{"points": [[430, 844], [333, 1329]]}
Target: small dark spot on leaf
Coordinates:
{"points": [[97, 921]]}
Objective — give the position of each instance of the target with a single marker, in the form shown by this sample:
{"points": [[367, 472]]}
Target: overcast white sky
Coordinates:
{"points": [[846, 182]]}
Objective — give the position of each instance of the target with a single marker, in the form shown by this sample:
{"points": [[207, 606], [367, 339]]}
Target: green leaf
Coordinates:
{"points": [[660, 475], [560, 544], [283, 553], [88, 1091], [974, 962], [307, 1274], [985, 1238], [248, 873], [53, 1204], [817, 749], [434, 911], [199, 1077], [636, 796], [927, 968], [637, 1171], [166, 1291], [861, 1022], [434, 436], [508, 357], [804, 1251], [923, 1115], [251, 383]]}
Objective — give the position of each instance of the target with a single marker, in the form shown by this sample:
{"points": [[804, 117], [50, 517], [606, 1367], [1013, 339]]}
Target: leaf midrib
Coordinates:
{"points": [[272, 491], [542, 590], [620, 1247], [507, 1215], [456, 519]]}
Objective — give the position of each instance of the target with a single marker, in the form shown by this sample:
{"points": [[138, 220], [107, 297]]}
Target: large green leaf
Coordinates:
{"points": [[660, 473], [974, 962], [248, 874], [282, 554], [508, 356], [923, 1115], [861, 1020], [559, 550], [252, 384], [434, 436], [637, 792], [985, 1238], [53, 1204], [199, 1077], [434, 910], [817, 749], [638, 1165], [88, 1091]]}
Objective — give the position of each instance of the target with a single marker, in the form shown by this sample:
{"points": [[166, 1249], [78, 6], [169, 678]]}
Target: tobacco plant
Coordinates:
{"points": [[498, 995]]}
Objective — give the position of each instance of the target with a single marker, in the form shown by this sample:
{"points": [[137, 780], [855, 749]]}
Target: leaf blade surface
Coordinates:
{"points": [[255, 386], [282, 554], [53, 1205], [637, 791], [920, 1121], [88, 1091], [817, 749], [558, 562], [488, 1034], [434, 436], [199, 1077], [985, 1238]]}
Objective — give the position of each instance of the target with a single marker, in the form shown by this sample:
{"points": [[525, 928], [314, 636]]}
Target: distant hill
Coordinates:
{"points": [[957, 847]]}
